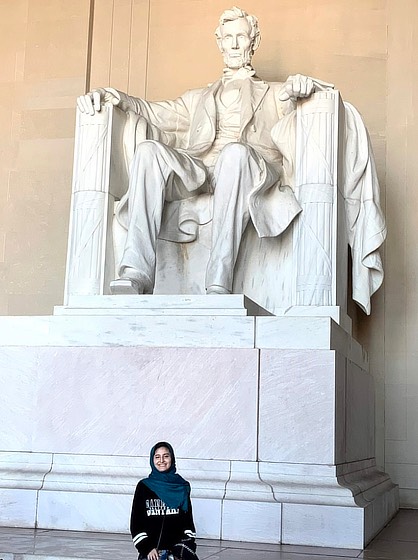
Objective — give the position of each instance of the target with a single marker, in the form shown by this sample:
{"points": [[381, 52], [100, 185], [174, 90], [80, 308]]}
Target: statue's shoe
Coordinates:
{"points": [[126, 286], [217, 290]]}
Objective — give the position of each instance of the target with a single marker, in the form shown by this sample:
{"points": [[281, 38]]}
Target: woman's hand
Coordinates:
{"points": [[153, 554]]}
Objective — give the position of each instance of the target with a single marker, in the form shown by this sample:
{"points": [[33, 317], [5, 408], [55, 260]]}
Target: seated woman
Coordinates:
{"points": [[161, 518]]}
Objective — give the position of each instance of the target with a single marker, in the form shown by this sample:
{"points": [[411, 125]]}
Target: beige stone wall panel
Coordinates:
{"points": [[138, 60], [120, 45], [44, 45], [12, 43], [101, 44], [46, 30], [401, 305], [182, 47]]}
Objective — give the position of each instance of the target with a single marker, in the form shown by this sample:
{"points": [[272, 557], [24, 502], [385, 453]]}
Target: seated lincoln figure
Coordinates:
{"points": [[211, 140]]}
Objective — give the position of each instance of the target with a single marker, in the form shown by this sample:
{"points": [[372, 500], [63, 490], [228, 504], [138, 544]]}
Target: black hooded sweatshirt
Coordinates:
{"points": [[154, 525]]}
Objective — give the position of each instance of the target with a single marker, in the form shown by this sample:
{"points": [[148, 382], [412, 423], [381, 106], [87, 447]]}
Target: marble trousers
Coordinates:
{"points": [[159, 173]]}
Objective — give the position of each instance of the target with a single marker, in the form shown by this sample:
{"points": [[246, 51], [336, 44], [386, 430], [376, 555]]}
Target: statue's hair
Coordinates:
{"points": [[235, 13]]}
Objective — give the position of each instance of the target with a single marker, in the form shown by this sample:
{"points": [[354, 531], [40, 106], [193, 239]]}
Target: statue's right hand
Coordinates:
{"points": [[92, 102]]}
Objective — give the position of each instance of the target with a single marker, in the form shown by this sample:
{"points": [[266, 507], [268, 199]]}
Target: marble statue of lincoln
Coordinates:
{"points": [[217, 139]]}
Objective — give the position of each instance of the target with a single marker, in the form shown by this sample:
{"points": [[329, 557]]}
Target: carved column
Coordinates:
{"points": [[99, 178], [320, 248]]}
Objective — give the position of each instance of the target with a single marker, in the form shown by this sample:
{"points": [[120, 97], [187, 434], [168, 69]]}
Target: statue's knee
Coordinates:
{"points": [[147, 149], [236, 151]]}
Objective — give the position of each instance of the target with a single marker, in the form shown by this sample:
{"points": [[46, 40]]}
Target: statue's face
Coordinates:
{"points": [[236, 44]]}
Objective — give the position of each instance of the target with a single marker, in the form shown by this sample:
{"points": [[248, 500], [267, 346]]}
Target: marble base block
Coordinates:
{"points": [[261, 520], [272, 419], [19, 507]]}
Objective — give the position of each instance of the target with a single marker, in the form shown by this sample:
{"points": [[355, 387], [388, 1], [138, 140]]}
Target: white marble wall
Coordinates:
{"points": [[260, 519], [332, 424], [295, 430], [145, 331], [20, 507], [277, 427], [236, 500], [121, 400]]}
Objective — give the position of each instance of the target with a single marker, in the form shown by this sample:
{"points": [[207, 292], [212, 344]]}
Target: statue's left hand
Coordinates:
{"points": [[297, 86]]}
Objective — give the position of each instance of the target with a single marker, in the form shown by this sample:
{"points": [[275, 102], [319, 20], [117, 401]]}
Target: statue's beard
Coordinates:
{"points": [[236, 62]]}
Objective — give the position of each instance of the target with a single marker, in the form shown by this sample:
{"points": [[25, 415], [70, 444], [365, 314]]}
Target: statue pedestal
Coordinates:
{"points": [[272, 419]]}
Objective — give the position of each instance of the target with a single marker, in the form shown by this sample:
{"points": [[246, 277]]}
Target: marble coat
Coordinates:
{"points": [[188, 123]]}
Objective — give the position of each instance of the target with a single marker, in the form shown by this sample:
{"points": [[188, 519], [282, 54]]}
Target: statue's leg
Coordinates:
{"points": [[152, 180], [236, 172]]}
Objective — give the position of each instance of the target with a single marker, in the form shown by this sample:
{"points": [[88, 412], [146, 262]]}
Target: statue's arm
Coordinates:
{"points": [[168, 121], [283, 132]]}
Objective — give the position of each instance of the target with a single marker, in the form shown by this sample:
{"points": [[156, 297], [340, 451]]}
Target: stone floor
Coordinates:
{"points": [[398, 541]]}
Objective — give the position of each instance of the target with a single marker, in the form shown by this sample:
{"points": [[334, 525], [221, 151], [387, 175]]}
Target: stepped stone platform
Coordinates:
{"points": [[272, 419], [43, 544], [398, 540]]}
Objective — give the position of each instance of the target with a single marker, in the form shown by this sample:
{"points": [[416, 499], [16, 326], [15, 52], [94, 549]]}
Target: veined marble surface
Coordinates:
{"points": [[260, 519], [232, 304], [307, 520], [145, 331], [316, 406], [398, 540], [121, 400], [230, 498], [190, 329], [298, 412], [308, 333], [255, 429]]}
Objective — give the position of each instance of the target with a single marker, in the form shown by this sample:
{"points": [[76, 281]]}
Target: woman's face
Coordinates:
{"points": [[162, 459]]}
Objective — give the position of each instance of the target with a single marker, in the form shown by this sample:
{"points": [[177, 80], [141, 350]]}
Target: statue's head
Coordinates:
{"points": [[238, 37]]}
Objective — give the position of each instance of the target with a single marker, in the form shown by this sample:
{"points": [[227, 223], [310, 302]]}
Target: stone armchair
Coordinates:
{"points": [[303, 271]]}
